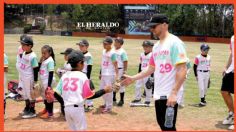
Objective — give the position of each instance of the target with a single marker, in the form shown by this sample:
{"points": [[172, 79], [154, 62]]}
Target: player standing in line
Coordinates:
{"points": [[74, 87], [29, 76], [202, 72], [144, 62], [60, 72], [227, 87], [46, 71], [88, 64], [168, 63], [5, 82], [109, 72], [18, 59], [122, 61]]}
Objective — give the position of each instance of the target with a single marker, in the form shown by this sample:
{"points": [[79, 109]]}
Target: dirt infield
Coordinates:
{"points": [[125, 118]]}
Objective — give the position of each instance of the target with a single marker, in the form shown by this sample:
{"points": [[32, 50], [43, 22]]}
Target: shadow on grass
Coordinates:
{"points": [[221, 126]]}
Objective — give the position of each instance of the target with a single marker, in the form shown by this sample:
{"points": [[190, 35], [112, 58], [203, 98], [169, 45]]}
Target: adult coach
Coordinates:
{"points": [[168, 63], [227, 87]]}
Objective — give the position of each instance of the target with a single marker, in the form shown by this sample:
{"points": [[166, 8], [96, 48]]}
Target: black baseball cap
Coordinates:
{"points": [[147, 43], [74, 57], [67, 51], [158, 19], [119, 40], [83, 42], [108, 40], [22, 36], [26, 40], [204, 47]]}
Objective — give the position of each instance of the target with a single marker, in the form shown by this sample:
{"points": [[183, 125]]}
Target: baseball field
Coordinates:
{"points": [[190, 117]]}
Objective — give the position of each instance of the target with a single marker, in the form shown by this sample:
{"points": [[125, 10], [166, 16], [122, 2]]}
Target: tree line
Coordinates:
{"points": [[214, 20]]}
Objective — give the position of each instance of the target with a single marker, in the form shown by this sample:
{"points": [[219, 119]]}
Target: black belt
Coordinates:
{"points": [[76, 106], [204, 70], [120, 68]]}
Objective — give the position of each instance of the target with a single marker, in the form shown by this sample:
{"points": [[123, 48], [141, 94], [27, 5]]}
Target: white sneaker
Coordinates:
{"points": [[231, 127], [229, 120]]}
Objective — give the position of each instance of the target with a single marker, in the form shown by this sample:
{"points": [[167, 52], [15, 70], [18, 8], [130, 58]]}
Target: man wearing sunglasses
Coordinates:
{"points": [[202, 72], [168, 63]]}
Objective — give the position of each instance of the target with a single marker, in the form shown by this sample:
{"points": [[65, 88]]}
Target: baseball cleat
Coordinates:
{"points": [[29, 115], [106, 111], [120, 103], [229, 120], [136, 101], [231, 127]]}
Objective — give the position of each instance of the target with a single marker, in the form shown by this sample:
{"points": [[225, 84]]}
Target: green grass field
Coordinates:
{"points": [[209, 116]]}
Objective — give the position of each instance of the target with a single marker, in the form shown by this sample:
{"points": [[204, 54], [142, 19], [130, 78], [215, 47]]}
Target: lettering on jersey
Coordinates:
{"points": [[161, 55]]}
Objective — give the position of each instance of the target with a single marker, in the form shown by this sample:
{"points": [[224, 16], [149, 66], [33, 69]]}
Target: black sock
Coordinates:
{"points": [[114, 96], [50, 108], [27, 105], [122, 96], [203, 99], [46, 104], [32, 106]]}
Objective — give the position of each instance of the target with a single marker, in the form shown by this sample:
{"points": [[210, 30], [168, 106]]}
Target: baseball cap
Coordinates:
{"points": [[147, 43], [26, 40], [67, 51], [119, 40], [204, 47], [74, 57], [22, 36], [83, 42], [108, 39], [158, 19]]}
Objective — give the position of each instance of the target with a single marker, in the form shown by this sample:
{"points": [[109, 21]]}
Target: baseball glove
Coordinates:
{"points": [[49, 94], [36, 91], [150, 83]]}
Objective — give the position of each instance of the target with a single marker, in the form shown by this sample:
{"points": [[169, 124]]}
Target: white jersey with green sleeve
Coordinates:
{"points": [[107, 66], [164, 58], [46, 66], [74, 88], [121, 57], [27, 63], [88, 60], [144, 60]]}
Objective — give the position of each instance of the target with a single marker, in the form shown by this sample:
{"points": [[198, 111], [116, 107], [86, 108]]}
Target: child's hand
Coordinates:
{"points": [[41, 59]]}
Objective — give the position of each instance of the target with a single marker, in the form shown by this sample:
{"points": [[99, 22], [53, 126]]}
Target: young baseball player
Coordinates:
{"points": [[144, 62], [109, 72], [46, 71], [74, 87], [29, 76], [88, 64], [66, 67], [202, 72], [18, 59], [60, 72], [5, 81], [122, 61], [180, 100]]}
